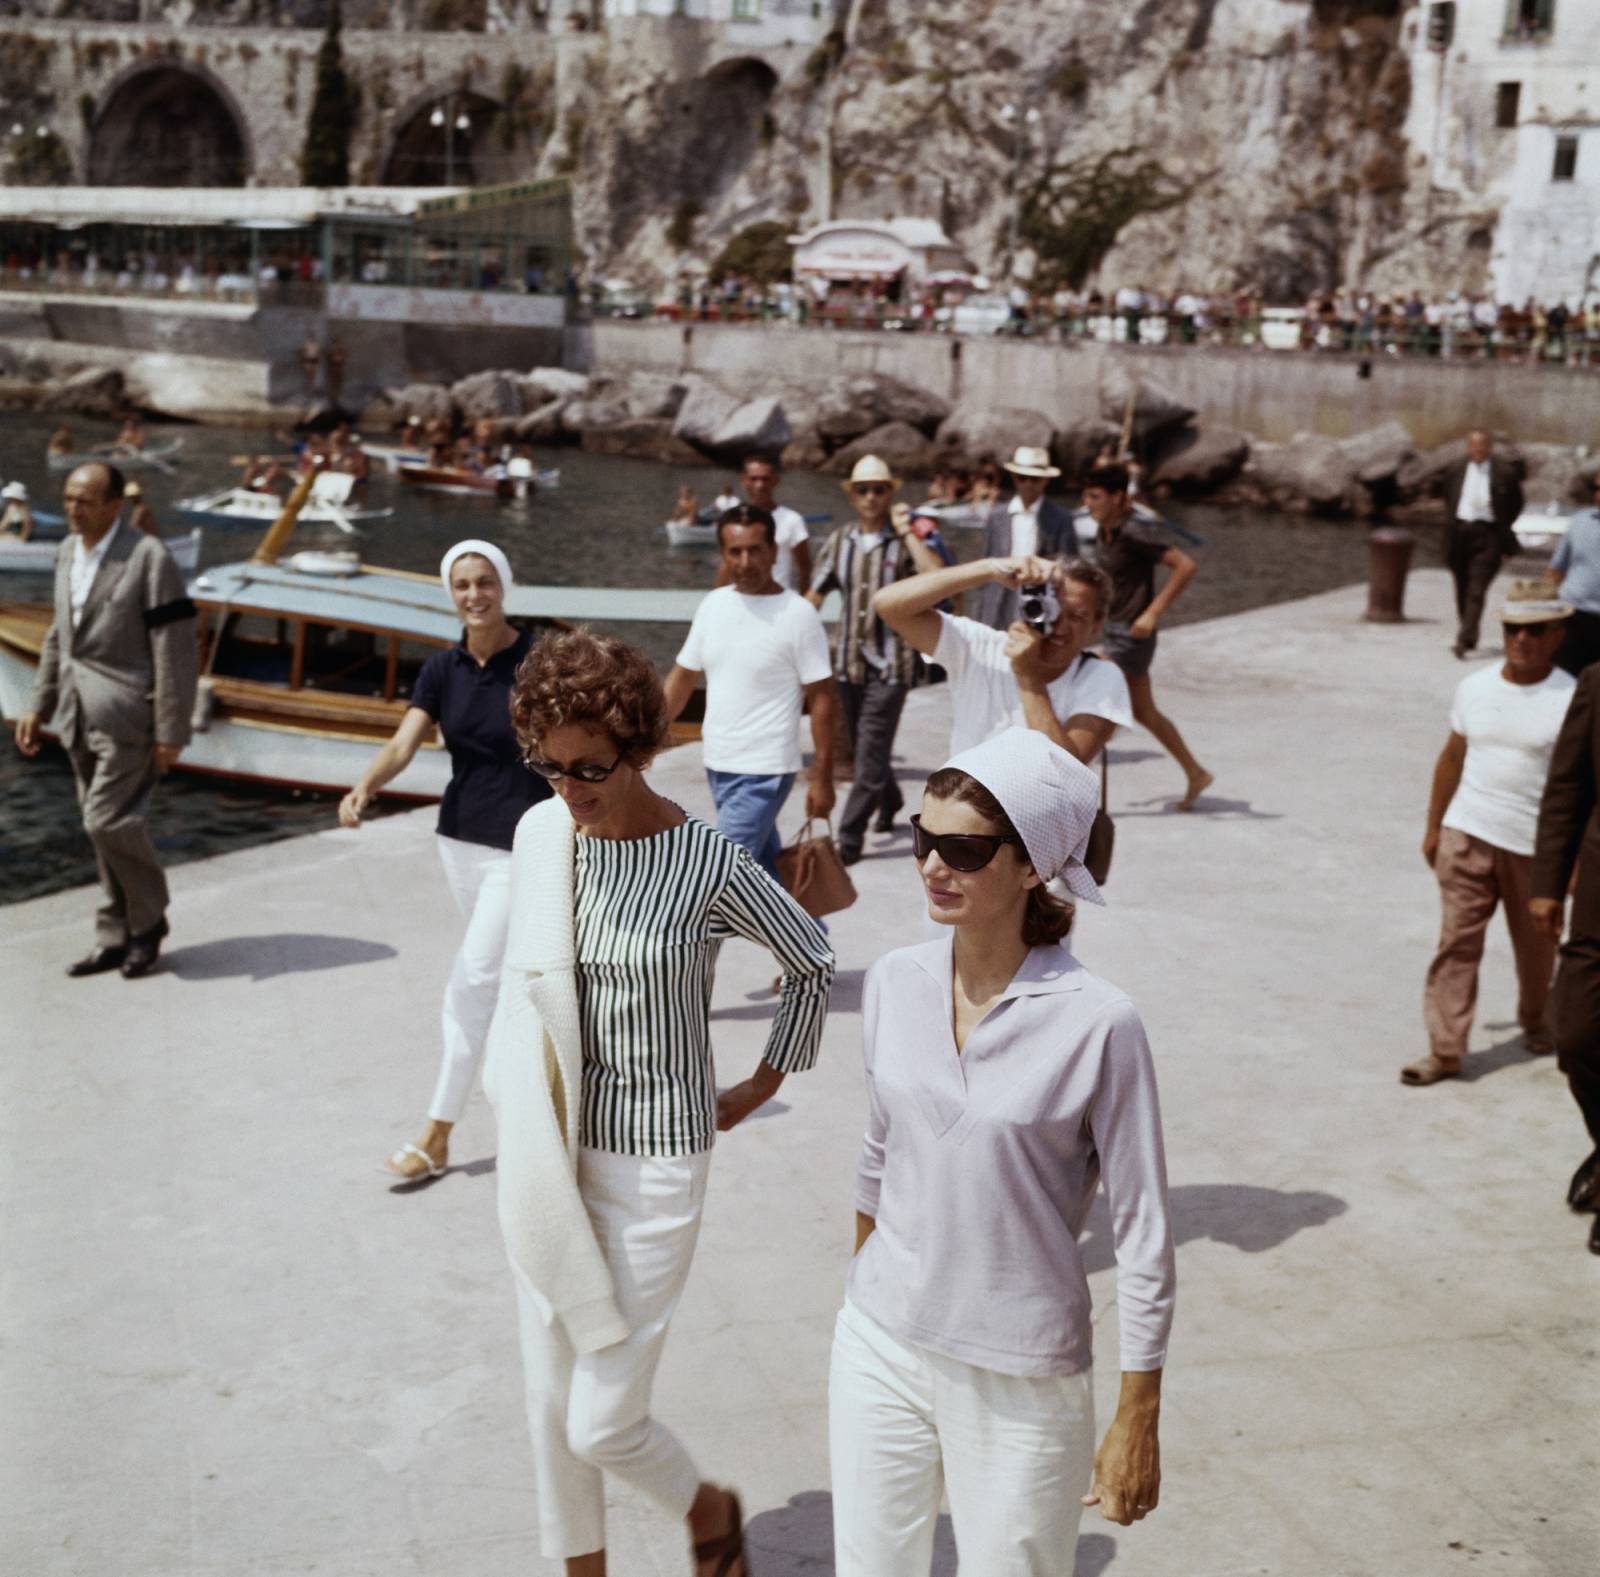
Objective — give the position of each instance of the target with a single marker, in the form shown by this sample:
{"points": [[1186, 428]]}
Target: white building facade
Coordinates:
{"points": [[764, 23], [1507, 115]]}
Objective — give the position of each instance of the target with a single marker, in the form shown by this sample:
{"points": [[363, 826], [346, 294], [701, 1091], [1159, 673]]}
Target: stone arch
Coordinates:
{"points": [[419, 154], [166, 122]]}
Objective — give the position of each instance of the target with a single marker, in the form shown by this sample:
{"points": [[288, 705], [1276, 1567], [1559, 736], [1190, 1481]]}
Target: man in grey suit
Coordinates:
{"points": [[1028, 524], [118, 673], [1483, 497]]}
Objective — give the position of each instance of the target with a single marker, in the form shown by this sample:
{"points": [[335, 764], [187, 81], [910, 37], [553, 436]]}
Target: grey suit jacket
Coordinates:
{"points": [[996, 605], [130, 667]]}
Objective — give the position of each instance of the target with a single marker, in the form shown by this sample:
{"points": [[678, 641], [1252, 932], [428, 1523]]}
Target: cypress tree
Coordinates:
{"points": [[325, 159]]}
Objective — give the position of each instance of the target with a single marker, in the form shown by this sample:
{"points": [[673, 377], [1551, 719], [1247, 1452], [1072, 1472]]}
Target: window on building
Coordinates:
{"points": [[746, 10], [1507, 102], [1566, 165], [1530, 18]]}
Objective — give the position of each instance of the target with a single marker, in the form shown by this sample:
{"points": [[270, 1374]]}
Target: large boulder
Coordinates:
{"points": [[1423, 475], [543, 426], [1155, 409], [1203, 459], [1077, 445], [90, 391], [756, 427], [647, 396], [976, 428], [490, 396], [650, 438], [704, 409], [805, 451], [544, 384], [1380, 453], [1310, 473], [428, 402], [582, 416], [846, 410], [902, 447], [895, 400]]}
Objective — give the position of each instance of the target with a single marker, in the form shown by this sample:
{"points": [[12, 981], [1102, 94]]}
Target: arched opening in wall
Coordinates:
{"points": [[167, 125], [450, 139], [732, 123]]}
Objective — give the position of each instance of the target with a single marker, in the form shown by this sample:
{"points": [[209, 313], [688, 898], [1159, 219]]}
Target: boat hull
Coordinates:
{"points": [[682, 535], [153, 457], [39, 558], [460, 485]]}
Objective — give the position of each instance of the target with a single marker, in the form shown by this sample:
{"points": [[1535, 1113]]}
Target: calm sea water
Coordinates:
{"points": [[601, 527]]}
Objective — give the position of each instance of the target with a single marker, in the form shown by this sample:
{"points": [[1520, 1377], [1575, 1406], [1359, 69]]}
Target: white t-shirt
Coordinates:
{"points": [[1510, 731], [983, 690], [792, 532], [756, 654], [1024, 528]]}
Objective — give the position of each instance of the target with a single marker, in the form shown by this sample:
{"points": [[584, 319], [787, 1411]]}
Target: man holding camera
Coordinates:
{"points": [[1034, 675]]}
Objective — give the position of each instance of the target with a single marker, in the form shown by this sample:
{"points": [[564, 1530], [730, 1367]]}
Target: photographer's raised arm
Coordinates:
{"points": [[910, 607]]}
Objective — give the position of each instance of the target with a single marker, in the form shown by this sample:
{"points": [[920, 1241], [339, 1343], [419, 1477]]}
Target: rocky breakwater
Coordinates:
{"points": [[693, 420]]}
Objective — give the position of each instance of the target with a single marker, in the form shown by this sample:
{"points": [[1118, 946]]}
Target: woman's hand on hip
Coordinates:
{"points": [[736, 1103]]}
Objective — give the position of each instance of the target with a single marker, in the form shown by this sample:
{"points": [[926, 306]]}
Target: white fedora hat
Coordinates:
{"points": [[1028, 461], [869, 468]]}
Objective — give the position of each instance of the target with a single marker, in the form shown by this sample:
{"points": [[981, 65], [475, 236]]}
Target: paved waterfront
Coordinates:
{"points": [[231, 1351]]}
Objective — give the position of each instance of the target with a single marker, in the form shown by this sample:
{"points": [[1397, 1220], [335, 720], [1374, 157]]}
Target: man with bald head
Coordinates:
{"points": [[116, 683], [1483, 495]]}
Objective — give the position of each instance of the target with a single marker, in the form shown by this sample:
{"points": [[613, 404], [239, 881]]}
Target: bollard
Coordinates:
{"points": [[1391, 560]]}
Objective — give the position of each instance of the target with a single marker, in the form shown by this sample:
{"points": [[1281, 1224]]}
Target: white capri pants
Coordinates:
{"points": [[592, 1412], [480, 883], [906, 1425]]}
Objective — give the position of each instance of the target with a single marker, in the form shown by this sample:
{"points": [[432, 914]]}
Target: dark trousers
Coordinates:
{"points": [[1575, 1020], [115, 778], [872, 713], [1473, 553], [1582, 644]]}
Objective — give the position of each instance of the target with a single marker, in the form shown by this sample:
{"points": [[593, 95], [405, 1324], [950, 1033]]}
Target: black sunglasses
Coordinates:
{"points": [[872, 487], [961, 851], [549, 771], [1523, 628]]}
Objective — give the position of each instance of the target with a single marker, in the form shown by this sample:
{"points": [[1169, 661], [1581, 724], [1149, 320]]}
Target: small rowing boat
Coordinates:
{"points": [[160, 456], [37, 556], [328, 504], [462, 484]]}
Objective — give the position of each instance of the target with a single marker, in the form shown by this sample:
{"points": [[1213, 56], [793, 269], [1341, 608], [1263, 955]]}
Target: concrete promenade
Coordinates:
{"points": [[228, 1349]]}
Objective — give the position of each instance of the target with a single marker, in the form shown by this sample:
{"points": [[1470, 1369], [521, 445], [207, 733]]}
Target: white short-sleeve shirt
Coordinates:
{"points": [[757, 654], [985, 700], [791, 533], [1510, 731]]}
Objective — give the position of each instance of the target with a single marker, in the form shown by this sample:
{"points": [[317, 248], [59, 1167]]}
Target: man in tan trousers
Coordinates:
{"points": [[116, 681], [1483, 818]]}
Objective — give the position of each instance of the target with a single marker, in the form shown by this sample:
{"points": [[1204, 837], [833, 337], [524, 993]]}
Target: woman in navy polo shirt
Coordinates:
{"points": [[466, 691]]}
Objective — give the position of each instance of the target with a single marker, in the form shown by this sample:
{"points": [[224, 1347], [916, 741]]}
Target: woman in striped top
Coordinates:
{"points": [[653, 894]]}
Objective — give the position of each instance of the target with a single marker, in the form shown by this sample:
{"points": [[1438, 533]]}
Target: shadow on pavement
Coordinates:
{"points": [[1206, 805], [797, 1539], [1509, 1053], [1247, 1218], [266, 957]]}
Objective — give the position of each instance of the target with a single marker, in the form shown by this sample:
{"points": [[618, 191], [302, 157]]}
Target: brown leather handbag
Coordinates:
{"points": [[815, 875], [1102, 834]]}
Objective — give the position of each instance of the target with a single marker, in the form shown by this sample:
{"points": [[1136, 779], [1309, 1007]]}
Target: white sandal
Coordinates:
{"points": [[393, 1169]]}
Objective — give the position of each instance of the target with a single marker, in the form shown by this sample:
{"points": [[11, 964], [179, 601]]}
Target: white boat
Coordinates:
{"points": [[692, 534], [1540, 531], [36, 557], [393, 456], [159, 456], [328, 505], [966, 516]]}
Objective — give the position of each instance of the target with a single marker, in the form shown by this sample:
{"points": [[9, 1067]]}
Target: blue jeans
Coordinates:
{"points": [[747, 812]]}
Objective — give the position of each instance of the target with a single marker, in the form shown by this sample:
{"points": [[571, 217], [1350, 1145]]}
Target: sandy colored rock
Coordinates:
{"points": [[905, 450], [974, 428], [497, 396], [1310, 473], [755, 427], [1380, 453], [648, 439], [704, 409], [1201, 460]]}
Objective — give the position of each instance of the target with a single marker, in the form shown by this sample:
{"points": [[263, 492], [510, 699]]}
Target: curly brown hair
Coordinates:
{"points": [[593, 681], [1047, 918]]}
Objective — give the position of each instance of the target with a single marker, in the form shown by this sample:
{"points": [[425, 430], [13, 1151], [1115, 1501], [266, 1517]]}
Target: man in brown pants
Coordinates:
{"points": [[1482, 818]]}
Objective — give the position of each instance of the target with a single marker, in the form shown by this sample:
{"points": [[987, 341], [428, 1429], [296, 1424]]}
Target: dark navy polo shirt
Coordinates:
{"points": [[490, 785]]}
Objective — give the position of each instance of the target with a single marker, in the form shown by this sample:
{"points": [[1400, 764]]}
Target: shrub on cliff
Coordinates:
{"points": [[760, 252], [325, 160]]}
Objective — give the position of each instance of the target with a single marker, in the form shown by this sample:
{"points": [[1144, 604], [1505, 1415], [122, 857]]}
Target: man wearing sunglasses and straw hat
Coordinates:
{"points": [[1029, 525], [874, 668]]}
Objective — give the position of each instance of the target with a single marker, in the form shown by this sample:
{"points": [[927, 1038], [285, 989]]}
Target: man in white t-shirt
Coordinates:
{"points": [[1025, 676], [1483, 817], [764, 653], [760, 478]]}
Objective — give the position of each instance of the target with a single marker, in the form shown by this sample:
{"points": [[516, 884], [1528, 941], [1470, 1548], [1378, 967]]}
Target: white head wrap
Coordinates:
{"points": [[1050, 797], [487, 550]]}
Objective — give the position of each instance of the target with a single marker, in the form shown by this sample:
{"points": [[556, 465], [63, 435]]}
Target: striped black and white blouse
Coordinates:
{"points": [[651, 915]]}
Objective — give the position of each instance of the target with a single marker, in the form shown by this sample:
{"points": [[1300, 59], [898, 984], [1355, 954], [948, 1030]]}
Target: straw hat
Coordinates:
{"points": [[869, 468], [15, 490], [1028, 461], [133, 490], [1530, 602]]}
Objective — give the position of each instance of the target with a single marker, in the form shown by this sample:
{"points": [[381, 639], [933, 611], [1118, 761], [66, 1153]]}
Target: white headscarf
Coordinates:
{"points": [[1050, 797], [487, 550]]}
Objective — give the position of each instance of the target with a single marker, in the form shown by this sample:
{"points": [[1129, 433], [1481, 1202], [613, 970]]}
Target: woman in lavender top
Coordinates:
{"points": [[1005, 1082]]}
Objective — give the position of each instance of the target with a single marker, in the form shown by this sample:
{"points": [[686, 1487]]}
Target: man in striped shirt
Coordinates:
{"points": [[874, 668]]}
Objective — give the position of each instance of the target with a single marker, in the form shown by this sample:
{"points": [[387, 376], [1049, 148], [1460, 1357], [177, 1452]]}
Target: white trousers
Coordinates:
{"points": [[906, 1425], [480, 883], [592, 1412]]}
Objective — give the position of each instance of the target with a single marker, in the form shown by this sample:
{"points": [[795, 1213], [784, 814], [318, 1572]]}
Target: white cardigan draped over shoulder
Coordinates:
{"points": [[533, 1078]]}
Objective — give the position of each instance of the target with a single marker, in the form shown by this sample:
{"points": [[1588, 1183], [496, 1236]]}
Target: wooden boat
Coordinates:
{"points": [[37, 556], [159, 456], [327, 504], [446, 479], [394, 457]]}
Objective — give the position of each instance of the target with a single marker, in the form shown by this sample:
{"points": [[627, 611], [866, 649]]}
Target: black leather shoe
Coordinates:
{"points": [[848, 855], [1594, 1236], [98, 962], [143, 951], [1583, 1192]]}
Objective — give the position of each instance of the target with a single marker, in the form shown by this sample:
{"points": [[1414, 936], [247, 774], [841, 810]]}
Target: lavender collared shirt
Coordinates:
{"points": [[979, 1166]]}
